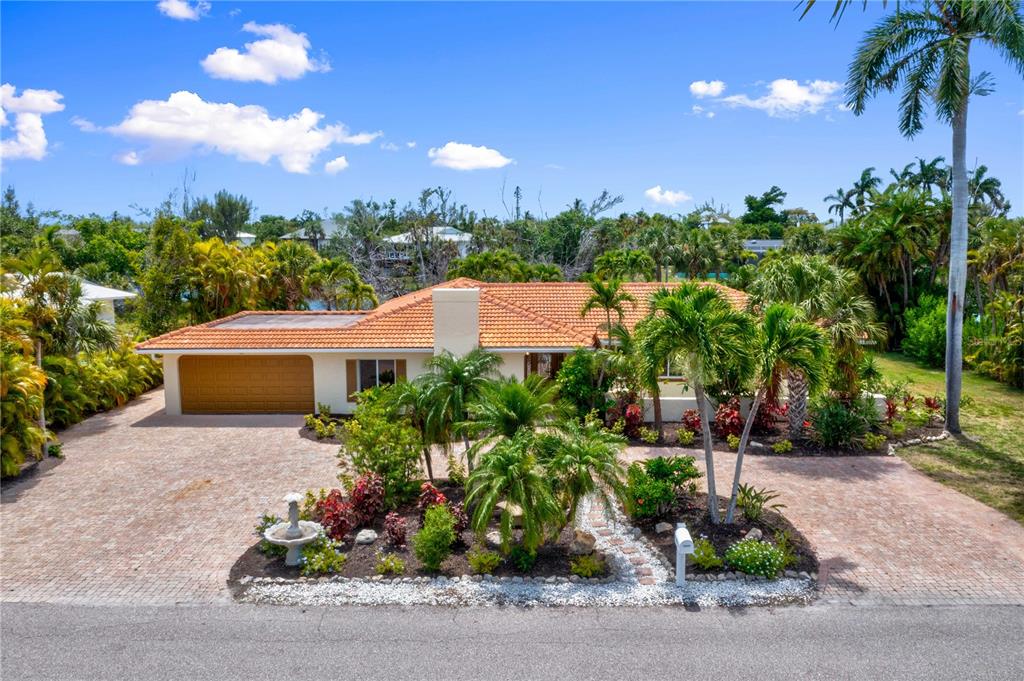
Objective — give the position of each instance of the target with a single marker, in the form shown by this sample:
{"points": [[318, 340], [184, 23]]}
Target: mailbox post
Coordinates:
{"points": [[684, 546]]}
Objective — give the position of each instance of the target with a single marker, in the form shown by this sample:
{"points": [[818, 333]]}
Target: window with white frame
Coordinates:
{"points": [[375, 372]]}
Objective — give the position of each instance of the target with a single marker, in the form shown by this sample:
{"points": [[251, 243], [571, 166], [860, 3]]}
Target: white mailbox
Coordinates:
{"points": [[684, 546]]}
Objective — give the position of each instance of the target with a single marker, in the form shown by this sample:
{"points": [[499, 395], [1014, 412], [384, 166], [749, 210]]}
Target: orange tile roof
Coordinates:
{"points": [[533, 315]]}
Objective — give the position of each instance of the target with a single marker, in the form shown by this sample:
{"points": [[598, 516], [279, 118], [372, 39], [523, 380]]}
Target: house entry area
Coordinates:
{"points": [[545, 364]]}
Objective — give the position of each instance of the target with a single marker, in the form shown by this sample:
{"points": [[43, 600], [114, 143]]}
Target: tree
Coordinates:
{"points": [[292, 263], [507, 406], [338, 286], [864, 188], [452, 384], [784, 342], [761, 210], [840, 202], [624, 264], [224, 217], [411, 399], [697, 324], [926, 51], [501, 265], [610, 297]]}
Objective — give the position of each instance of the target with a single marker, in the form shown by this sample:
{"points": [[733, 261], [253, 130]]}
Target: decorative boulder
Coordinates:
{"points": [[582, 543], [755, 534], [493, 538], [366, 536], [662, 528], [517, 513]]}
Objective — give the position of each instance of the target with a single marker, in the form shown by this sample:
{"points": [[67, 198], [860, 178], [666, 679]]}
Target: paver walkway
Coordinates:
{"points": [[151, 509], [147, 509], [885, 532]]}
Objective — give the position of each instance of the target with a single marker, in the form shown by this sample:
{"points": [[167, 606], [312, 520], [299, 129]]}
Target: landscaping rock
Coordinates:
{"points": [[582, 543], [366, 536], [755, 534], [754, 444], [493, 538], [662, 528], [517, 513]]}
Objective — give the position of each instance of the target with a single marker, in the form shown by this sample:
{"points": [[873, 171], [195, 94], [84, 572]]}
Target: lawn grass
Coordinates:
{"points": [[987, 461]]}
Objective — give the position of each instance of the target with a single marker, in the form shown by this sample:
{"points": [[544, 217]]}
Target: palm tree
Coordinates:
{"points": [[338, 285], [610, 297], [864, 188], [511, 473], [583, 459], [987, 192], [452, 384], [697, 324], [507, 406], [784, 342], [292, 264], [926, 52], [648, 357], [840, 202], [412, 400]]}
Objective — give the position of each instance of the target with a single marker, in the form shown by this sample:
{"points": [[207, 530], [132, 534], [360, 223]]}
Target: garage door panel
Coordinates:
{"points": [[246, 385]]}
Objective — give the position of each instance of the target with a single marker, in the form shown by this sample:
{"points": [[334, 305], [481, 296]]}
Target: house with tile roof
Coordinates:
{"points": [[274, 362]]}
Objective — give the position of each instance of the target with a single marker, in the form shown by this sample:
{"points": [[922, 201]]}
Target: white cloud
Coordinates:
{"points": [[389, 146], [129, 158], [698, 110], [553, 166], [666, 197], [704, 88], [459, 156], [28, 108], [183, 10], [335, 166], [788, 98], [282, 54], [185, 121], [411, 145], [84, 124], [361, 138]]}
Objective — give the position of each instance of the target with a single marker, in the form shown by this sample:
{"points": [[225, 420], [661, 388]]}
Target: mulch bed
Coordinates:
{"points": [[692, 509], [552, 557]]}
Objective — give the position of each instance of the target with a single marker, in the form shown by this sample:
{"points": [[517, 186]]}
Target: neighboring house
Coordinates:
{"points": [[400, 242], [107, 298], [273, 362], [760, 247], [330, 228], [245, 238]]}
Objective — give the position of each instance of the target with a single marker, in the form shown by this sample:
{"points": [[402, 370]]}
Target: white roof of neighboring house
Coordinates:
{"points": [[91, 291], [330, 228], [245, 235], [443, 232], [762, 245]]}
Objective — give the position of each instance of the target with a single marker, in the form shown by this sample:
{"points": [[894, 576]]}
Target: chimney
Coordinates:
{"points": [[456, 320]]}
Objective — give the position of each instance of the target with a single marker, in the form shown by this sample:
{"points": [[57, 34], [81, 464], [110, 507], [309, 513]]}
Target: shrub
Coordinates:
{"points": [[648, 435], [836, 424], [782, 447], [647, 497], [335, 514], [727, 419], [753, 501], [768, 415], [634, 419], [430, 496], [754, 557], [433, 544], [676, 470], [267, 521], [578, 381], [784, 543], [590, 565], [926, 331], [734, 442], [456, 471], [704, 555], [321, 557], [873, 440], [692, 422], [618, 427], [367, 497], [522, 558], [377, 442], [898, 428], [389, 564], [483, 561], [685, 437], [394, 529], [325, 430], [458, 511]]}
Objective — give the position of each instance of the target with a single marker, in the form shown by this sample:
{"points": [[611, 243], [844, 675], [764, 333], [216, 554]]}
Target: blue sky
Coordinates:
{"points": [[562, 99]]}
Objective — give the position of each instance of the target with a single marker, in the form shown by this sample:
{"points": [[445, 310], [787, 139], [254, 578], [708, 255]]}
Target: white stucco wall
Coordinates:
{"points": [[330, 381], [511, 364], [172, 386], [456, 320]]}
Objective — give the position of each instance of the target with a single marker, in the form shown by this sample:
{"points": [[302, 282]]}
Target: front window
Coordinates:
{"points": [[375, 372], [674, 369]]}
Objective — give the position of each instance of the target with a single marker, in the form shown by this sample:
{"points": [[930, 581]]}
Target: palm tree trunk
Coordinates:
{"points": [[957, 272], [469, 460], [656, 402], [796, 384], [709, 456], [429, 464], [744, 439]]}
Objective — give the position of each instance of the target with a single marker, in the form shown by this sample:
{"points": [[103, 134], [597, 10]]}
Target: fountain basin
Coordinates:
{"points": [[279, 534]]}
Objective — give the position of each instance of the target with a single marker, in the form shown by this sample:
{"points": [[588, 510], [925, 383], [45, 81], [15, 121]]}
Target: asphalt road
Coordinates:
{"points": [[249, 642]]}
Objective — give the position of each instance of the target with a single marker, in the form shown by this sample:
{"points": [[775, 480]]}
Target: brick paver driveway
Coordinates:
{"points": [[148, 509], [151, 509], [884, 532]]}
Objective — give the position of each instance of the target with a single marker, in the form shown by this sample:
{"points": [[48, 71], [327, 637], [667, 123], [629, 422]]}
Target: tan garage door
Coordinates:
{"points": [[273, 384]]}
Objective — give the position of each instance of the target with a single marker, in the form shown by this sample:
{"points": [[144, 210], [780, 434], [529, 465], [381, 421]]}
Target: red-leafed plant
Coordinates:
{"points": [[768, 415], [335, 514], [429, 496], [394, 529], [933, 404], [892, 408], [461, 517], [727, 419], [634, 417], [367, 497], [691, 421]]}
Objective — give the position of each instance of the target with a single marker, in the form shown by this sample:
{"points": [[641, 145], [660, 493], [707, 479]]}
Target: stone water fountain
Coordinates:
{"points": [[293, 533]]}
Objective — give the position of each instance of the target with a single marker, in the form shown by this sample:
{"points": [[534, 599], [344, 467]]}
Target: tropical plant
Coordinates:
{"points": [[482, 561], [755, 557], [752, 501], [610, 297], [433, 543], [588, 566], [508, 406]]}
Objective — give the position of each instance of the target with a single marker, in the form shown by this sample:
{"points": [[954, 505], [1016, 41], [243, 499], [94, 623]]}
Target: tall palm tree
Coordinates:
{"points": [[926, 51], [864, 188], [583, 459], [452, 384], [697, 324], [784, 342], [648, 356], [610, 297], [840, 202], [412, 399]]}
